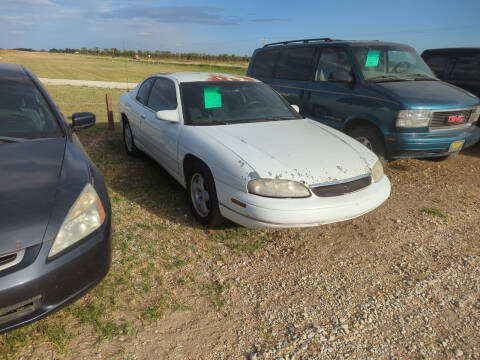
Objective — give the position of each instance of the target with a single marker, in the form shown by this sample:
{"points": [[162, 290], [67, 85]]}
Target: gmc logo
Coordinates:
{"points": [[456, 118]]}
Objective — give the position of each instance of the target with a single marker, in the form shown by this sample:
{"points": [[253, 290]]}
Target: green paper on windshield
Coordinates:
{"points": [[372, 58], [213, 99]]}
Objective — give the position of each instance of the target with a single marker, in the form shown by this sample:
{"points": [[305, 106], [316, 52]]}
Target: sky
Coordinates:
{"points": [[233, 27]]}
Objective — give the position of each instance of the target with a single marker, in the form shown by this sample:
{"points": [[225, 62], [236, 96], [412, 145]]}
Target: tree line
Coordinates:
{"points": [[147, 54]]}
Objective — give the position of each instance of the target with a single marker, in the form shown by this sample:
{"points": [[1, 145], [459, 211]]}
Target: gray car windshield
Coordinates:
{"points": [[391, 63], [224, 102], [24, 113]]}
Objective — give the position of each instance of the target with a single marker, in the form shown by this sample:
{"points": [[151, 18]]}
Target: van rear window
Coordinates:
{"points": [[264, 63], [295, 64]]}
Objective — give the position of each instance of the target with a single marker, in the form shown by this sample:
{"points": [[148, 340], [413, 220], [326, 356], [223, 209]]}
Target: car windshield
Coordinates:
{"points": [[24, 113], [223, 103], [391, 63]]}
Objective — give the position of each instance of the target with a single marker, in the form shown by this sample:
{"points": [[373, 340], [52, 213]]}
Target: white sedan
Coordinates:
{"points": [[243, 153]]}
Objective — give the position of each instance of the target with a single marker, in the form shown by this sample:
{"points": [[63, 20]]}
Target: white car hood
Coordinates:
{"points": [[301, 150]]}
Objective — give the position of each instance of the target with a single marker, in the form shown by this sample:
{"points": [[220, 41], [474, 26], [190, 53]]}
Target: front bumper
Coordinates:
{"points": [[430, 144], [262, 212], [43, 287]]}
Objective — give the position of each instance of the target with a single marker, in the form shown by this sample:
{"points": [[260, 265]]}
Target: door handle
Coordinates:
{"points": [[143, 117]]}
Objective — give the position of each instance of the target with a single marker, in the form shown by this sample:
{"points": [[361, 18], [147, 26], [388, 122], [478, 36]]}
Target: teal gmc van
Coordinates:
{"points": [[382, 94]]}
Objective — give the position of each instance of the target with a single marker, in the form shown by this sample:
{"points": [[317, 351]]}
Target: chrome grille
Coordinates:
{"points": [[341, 188], [440, 119]]}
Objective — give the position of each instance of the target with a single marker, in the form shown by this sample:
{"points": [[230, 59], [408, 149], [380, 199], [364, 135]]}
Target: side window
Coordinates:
{"points": [[438, 64], [264, 63], [332, 60], [163, 95], [466, 68], [295, 64], [144, 90]]}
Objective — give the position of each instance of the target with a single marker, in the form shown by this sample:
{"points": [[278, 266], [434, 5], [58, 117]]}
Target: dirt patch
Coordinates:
{"points": [[400, 282]]}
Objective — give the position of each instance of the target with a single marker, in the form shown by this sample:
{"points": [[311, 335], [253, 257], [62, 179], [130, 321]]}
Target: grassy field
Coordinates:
{"points": [[156, 241], [79, 67]]}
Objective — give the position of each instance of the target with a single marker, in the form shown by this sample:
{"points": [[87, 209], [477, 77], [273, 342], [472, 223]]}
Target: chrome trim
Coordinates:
{"points": [[20, 254], [467, 123], [336, 182]]}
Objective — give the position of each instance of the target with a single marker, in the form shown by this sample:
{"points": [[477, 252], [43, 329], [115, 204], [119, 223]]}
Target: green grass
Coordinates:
{"points": [[79, 67], [434, 212]]}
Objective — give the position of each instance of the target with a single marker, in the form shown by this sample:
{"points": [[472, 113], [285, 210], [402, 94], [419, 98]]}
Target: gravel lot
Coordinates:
{"points": [[402, 282]]}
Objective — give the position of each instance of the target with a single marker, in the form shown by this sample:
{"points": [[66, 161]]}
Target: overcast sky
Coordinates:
{"points": [[226, 26]]}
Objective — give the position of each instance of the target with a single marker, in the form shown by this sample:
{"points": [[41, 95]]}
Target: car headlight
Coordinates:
{"points": [[84, 217], [475, 115], [377, 171], [414, 118], [278, 188]]}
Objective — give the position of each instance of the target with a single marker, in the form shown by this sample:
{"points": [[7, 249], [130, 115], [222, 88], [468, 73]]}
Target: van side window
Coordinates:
{"points": [[332, 60], [264, 63], [438, 63], [163, 95], [466, 68], [295, 64], [142, 95]]}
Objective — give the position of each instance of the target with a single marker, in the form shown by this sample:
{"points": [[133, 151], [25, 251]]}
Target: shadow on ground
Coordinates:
{"points": [[140, 180]]}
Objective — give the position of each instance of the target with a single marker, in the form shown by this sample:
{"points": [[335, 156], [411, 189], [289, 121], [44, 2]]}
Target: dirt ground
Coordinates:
{"points": [[402, 282]]}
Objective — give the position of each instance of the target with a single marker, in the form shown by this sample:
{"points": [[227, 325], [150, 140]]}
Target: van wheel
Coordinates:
{"points": [[130, 147], [203, 195], [371, 138]]}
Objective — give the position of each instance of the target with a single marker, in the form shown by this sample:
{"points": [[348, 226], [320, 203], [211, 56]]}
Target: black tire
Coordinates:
{"points": [[372, 138], [129, 144], [197, 174]]}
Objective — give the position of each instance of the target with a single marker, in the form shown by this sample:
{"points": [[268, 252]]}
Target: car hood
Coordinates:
{"points": [[301, 150], [427, 94], [29, 176]]}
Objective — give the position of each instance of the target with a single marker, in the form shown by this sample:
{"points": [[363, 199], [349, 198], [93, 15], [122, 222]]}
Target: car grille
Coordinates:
{"points": [[19, 310], [440, 119], [342, 188], [12, 259]]}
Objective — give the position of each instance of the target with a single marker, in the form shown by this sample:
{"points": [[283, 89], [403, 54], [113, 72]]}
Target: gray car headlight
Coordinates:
{"points": [[377, 171], [475, 115], [278, 188], [84, 217], [414, 118]]}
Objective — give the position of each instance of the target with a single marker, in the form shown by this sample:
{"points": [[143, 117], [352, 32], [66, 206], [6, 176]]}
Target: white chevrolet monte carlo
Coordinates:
{"points": [[243, 153]]}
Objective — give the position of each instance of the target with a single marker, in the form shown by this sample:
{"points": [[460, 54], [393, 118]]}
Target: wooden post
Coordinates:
{"points": [[108, 99]]}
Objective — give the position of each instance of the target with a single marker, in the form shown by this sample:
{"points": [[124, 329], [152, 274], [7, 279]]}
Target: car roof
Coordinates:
{"points": [[182, 77], [452, 50], [13, 72], [304, 43]]}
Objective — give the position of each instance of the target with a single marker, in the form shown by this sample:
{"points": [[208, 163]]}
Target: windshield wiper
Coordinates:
{"points": [[271, 118], [216, 122], [8, 139], [420, 77], [386, 78]]}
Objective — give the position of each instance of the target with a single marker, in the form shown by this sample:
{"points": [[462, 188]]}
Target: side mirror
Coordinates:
{"points": [[168, 115], [341, 76], [83, 120], [296, 108]]}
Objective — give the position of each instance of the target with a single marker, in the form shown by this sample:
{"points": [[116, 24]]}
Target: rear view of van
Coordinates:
{"points": [[382, 94]]}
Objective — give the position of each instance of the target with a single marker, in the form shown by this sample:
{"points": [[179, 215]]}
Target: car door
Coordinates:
{"points": [[161, 136], [326, 100], [138, 110]]}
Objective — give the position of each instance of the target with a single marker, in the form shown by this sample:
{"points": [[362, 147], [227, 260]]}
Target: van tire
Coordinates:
{"points": [[372, 138]]}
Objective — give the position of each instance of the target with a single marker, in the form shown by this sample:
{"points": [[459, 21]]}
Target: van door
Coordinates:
{"points": [[294, 70], [326, 99]]}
